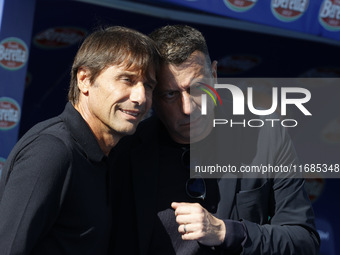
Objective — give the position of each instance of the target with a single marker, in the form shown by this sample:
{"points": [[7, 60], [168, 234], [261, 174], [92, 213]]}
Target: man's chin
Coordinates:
{"points": [[128, 131], [191, 135], [132, 131], [198, 133]]}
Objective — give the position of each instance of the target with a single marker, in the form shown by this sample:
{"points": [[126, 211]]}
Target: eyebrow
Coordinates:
{"points": [[135, 74], [127, 73]]}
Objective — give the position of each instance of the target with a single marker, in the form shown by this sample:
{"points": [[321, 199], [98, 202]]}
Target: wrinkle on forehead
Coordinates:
{"points": [[196, 58]]}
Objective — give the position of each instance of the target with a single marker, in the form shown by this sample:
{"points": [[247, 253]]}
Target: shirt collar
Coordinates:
{"points": [[82, 133]]}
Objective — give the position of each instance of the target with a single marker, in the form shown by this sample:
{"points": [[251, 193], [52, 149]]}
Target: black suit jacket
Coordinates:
{"points": [[275, 211]]}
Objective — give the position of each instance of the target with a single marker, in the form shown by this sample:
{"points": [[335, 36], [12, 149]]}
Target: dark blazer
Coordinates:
{"points": [[276, 212], [55, 194]]}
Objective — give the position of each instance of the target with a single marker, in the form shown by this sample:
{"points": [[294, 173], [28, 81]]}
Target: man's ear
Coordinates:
{"points": [[83, 79]]}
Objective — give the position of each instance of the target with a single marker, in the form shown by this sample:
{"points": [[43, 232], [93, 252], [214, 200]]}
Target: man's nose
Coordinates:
{"points": [[137, 94], [187, 103]]}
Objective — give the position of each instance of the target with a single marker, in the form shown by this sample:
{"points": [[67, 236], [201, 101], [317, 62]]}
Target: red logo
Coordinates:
{"points": [[329, 15], [13, 53], [289, 10], [240, 5], [59, 37], [314, 186], [9, 113]]}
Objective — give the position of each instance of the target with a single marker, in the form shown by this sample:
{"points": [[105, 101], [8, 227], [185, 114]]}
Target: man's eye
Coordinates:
{"points": [[170, 95], [127, 79]]}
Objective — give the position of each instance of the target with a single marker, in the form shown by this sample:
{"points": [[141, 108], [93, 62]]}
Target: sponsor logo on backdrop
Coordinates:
{"points": [[13, 53], [329, 15], [289, 10], [240, 5], [9, 113], [59, 37], [314, 185], [235, 64]]}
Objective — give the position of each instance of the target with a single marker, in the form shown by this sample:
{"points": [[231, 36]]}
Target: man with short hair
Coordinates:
{"points": [[218, 216], [56, 186]]}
